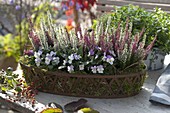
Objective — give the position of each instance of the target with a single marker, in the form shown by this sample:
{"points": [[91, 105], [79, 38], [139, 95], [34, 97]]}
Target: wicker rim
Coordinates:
{"points": [[87, 75]]}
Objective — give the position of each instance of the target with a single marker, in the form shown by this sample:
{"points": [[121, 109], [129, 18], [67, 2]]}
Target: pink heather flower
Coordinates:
{"points": [[28, 52], [49, 40], [148, 48], [86, 41], [35, 39]]}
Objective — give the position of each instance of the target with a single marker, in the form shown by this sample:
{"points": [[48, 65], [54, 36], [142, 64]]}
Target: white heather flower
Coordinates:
{"points": [[112, 52], [94, 69], [81, 67], [100, 69], [56, 60], [37, 62], [70, 68]]}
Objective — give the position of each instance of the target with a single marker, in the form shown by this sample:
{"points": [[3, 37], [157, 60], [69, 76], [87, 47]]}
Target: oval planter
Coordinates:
{"points": [[155, 59], [96, 86]]}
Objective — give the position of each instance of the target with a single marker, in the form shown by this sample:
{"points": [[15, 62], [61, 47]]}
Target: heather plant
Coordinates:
{"points": [[101, 51], [155, 23]]}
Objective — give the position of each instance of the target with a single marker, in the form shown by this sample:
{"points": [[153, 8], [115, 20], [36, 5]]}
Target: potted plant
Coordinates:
{"points": [[102, 63], [155, 23]]}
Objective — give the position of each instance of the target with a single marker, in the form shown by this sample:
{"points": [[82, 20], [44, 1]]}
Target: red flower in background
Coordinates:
{"points": [[69, 25]]}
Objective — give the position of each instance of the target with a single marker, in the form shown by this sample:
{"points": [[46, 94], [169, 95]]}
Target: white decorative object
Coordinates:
{"points": [[155, 59]]}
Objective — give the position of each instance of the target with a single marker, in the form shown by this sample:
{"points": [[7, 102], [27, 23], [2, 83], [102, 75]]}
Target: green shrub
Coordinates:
{"points": [[155, 23]]}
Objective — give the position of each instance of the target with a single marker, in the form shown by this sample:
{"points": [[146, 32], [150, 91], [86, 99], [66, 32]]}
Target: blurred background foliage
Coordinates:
{"points": [[14, 25]]}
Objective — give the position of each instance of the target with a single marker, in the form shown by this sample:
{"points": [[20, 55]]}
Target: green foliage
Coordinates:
{"points": [[10, 46], [156, 23], [8, 81], [14, 44], [160, 24]]}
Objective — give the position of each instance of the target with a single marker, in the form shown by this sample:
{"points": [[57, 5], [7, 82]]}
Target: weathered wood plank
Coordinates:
{"points": [[153, 1], [165, 7], [104, 8]]}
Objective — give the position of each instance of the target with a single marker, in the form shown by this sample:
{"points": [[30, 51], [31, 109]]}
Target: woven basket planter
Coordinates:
{"points": [[96, 86]]}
